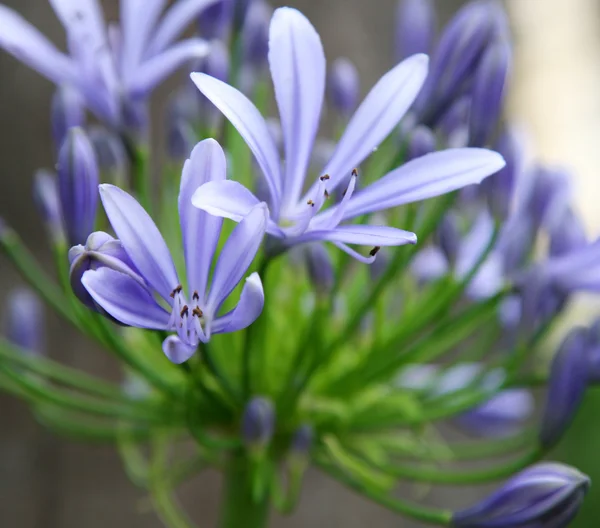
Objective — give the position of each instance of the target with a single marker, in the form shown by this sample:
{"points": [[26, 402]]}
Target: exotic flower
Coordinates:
{"points": [[195, 317], [297, 65], [112, 71]]}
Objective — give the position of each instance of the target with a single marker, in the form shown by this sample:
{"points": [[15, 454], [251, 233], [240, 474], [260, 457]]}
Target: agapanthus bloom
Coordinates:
{"points": [[194, 314], [112, 69], [297, 64]]}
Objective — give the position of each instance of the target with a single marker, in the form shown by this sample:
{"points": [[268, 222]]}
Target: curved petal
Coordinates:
{"points": [[176, 350], [380, 112], [247, 310], [355, 254], [176, 19], [362, 235], [246, 118], [24, 42], [297, 63], [200, 230], [156, 69], [125, 299], [141, 239], [227, 199], [425, 177], [237, 255], [82, 20]]}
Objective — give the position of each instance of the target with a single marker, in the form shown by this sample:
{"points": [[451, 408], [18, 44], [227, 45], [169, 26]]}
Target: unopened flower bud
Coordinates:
{"points": [[215, 21], [258, 423], [78, 185], [488, 92], [549, 196], [100, 250], [45, 196], [567, 235], [566, 386], [421, 142], [546, 495], [415, 27], [302, 441], [67, 111], [111, 155], [343, 86], [24, 321], [255, 34]]}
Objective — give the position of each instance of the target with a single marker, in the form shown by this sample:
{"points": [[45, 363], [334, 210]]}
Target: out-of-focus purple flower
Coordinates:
{"points": [[302, 440], [111, 70], [298, 68], [255, 34], [454, 124], [420, 142], [546, 495], [45, 196], [215, 21], [193, 316], [320, 267], [415, 27], [489, 83], [67, 111], [594, 352], [548, 195], [215, 64], [100, 251], [449, 236], [567, 235], [24, 321], [78, 185], [566, 386], [343, 87], [258, 423], [113, 161], [180, 139]]}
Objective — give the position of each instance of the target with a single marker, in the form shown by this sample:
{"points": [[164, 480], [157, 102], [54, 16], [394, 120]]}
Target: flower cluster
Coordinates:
{"points": [[288, 299]]}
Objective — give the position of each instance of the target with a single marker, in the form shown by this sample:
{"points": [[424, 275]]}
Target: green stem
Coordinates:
{"points": [[239, 507]]}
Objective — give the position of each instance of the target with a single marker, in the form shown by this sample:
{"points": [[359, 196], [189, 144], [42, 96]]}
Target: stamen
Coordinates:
{"points": [[195, 296], [197, 312], [374, 251], [184, 311], [355, 172], [177, 290], [325, 177], [311, 203]]}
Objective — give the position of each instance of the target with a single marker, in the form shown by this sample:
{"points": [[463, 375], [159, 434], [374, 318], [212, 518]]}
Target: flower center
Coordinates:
{"points": [[187, 319]]}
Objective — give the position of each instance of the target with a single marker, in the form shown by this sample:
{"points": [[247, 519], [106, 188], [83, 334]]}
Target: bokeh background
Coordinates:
{"points": [[555, 94]]}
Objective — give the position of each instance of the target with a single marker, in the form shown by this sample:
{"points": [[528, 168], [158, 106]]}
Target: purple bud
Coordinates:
{"points": [[111, 155], [320, 267], [78, 185], [24, 321], [255, 34], [548, 196], [302, 441], [415, 27], [546, 495], [343, 86], [421, 142], [454, 122], [215, 21], [449, 236], [258, 423], [566, 386], [488, 92], [67, 111], [567, 235], [100, 250], [45, 196], [240, 13]]}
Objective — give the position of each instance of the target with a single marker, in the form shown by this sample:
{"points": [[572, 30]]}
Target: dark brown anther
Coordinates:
{"points": [[184, 311], [325, 177], [374, 251], [311, 203], [197, 312], [195, 296], [176, 290], [355, 172], [345, 191]]}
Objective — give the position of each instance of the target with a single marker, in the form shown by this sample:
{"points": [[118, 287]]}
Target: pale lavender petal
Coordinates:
{"points": [[125, 299], [363, 235], [200, 230], [141, 239], [176, 350], [376, 117], [174, 22], [297, 63], [337, 214], [246, 118], [355, 254], [156, 69], [247, 310], [237, 255], [83, 20], [23, 41], [227, 199], [422, 178]]}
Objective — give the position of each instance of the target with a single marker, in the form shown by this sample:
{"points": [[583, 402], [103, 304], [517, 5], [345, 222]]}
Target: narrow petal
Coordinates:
{"points": [[355, 254], [247, 310], [237, 255], [176, 19], [363, 235], [297, 63], [246, 118], [155, 70], [422, 178], [227, 199], [377, 116], [200, 230], [141, 239], [176, 350], [83, 20], [24, 42], [338, 211], [125, 299]]}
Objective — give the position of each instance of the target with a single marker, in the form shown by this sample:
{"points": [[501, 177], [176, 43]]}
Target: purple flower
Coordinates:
{"points": [[24, 321], [255, 34], [546, 495], [258, 423], [112, 157], [194, 315], [420, 142], [343, 86], [111, 69], [415, 27], [297, 64]]}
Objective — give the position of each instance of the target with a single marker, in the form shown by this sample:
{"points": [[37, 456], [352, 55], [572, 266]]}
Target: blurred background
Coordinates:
{"points": [[555, 94]]}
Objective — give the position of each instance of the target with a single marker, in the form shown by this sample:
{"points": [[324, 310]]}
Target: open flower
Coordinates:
{"points": [[111, 70], [298, 68], [195, 315]]}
